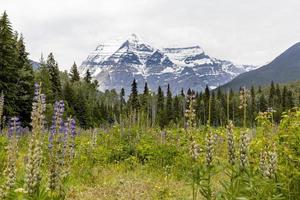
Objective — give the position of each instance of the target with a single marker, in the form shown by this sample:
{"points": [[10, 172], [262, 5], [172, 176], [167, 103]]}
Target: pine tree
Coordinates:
{"points": [[290, 100], [25, 84], [88, 77], [122, 100], [160, 107], [134, 96], [69, 97], [263, 104], [54, 76], [169, 105], [284, 98], [145, 97], [177, 108], [42, 75], [206, 102], [74, 74], [8, 65], [272, 95]]}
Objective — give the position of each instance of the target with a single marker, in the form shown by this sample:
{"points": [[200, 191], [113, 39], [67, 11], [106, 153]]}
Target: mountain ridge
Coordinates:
{"points": [[273, 71], [115, 64]]}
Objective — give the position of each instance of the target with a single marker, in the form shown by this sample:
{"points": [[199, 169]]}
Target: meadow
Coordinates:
{"points": [[134, 161]]}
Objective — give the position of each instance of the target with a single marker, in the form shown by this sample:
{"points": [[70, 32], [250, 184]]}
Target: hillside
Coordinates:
{"points": [[283, 69]]}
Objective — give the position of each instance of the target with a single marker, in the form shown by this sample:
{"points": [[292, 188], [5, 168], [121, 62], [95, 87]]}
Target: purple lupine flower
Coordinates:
{"points": [[73, 127], [14, 126], [57, 121]]}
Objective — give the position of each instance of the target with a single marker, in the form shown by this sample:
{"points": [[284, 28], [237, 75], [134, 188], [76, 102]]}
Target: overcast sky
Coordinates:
{"points": [[245, 32]]}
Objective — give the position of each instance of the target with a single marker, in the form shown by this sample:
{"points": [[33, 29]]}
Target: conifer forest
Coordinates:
{"points": [[61, 138]]}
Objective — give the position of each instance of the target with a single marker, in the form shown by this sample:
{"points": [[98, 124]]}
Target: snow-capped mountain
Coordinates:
{"points": [[115, 64]]}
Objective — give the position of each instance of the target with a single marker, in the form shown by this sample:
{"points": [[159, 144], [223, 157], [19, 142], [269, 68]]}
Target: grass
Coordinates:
{"points": [[115, 181]]}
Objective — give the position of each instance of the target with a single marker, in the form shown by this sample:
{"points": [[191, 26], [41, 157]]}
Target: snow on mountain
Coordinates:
{"points": [[116, 63]]}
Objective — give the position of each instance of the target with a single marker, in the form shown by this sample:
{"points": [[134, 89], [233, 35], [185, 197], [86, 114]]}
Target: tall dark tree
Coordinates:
{"points": [[88, 77], [74, 74], [25, 83], [145, 97], [206, 98], [169, 106], [122, 100], [8, 65], [272, 95], [134, 101], [54, 76], [284, 98]]}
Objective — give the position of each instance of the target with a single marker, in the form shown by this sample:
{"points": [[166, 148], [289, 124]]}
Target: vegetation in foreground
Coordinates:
{"points": [[138, 162]]}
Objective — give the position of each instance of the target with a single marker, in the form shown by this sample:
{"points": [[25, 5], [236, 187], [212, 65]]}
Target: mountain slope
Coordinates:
{"points": [[284, 68], [115, 64]]}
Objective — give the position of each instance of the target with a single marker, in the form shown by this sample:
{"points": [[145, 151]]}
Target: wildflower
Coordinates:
{"points": [[230, 141], [243, 151], [195, 150], [190, 111], [263, 162], [33, 165], [10, 169], [272, 162], [209, 142], [56, 147]]}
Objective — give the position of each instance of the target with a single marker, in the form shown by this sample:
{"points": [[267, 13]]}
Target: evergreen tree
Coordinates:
{"points": [[160, 107], [169, 105], [145, 97], [8, 65], [272, 95], [206, 98], [284, 98], [25, 84], [177, 108], [122, 100], [290, 100], [54, 76], [134, 96], [74, 74], [88, 77], [42, 75], [263, 104]]}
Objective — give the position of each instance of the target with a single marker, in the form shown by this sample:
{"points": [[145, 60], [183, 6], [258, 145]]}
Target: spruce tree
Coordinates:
{"points": [[272, 95], [122, 100], [8, 66], [54, 76], [25, 86], [88, 77], [145, 97], [169, 105], [284, 98], [134, 96], [74, 74], [160, 107]]}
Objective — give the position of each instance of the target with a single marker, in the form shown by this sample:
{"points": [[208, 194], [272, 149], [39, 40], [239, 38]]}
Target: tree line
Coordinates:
{"points": [[92, 108]]}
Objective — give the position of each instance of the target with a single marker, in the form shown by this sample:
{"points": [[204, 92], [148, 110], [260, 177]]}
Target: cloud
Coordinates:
{"points": [[250, 32]]}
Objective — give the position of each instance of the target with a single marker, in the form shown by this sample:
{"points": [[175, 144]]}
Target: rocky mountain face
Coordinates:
{"points": [[115, 64]]}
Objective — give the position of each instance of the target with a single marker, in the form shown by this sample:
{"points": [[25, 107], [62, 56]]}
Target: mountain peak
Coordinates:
{"points": [[116, 63], [134, 38]]}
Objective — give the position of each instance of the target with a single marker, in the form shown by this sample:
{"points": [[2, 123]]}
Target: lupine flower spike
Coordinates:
{"points": [[230, 142], [10, 169], [34, 160]]}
